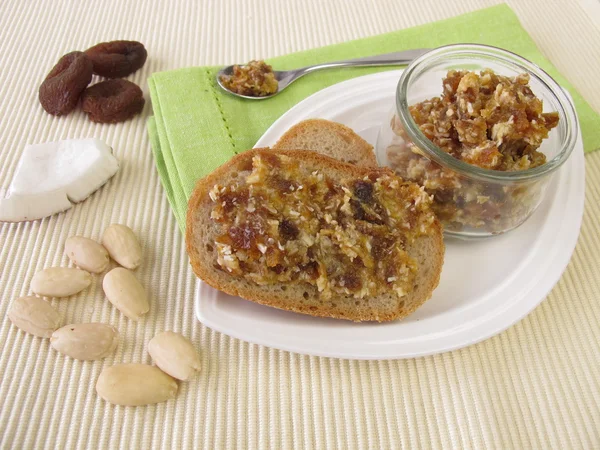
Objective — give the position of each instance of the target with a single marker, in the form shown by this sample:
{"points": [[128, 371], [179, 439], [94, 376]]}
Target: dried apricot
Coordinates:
{"points": [[61, 89], [112, 101], [117, 59]]}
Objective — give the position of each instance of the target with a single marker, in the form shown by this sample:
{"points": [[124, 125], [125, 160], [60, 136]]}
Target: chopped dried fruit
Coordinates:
{"points": [[287, 230], [113, 101], [486, 120], [117, 59], [60, 91], [255, 79]]}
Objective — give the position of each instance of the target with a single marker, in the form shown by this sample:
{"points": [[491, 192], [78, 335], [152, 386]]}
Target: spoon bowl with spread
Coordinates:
{"points": [[258, 81]]}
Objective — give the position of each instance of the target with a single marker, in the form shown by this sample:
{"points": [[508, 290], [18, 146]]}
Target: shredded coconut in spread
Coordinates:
{"points": [[344, 237]]}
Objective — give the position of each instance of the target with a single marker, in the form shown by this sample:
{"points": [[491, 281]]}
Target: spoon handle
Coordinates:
{"points": [[387, 59]]}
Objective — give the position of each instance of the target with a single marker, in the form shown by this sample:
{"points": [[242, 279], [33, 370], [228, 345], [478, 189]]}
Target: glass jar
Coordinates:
{"points": [[469, 200]]}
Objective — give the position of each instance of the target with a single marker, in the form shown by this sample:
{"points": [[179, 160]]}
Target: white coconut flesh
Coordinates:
{"points": [[51, 177]]}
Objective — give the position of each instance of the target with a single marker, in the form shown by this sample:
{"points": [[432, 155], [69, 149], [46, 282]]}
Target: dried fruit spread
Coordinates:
{"points": [[255, 79], [487, 120], [282, 222]]}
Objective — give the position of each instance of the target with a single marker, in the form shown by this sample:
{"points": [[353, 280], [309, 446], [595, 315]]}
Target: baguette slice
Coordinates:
{"points": [[201, 232], [330, 139]]}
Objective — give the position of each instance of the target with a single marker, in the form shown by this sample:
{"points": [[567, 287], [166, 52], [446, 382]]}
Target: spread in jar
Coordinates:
{"points": [[283, 222], [486, 120], [255, 79]]}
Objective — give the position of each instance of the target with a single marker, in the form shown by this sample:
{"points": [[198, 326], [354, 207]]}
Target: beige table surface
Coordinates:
{"points": [[537, 385]]}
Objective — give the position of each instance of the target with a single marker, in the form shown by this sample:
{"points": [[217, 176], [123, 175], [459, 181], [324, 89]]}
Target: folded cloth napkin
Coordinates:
{"points": [[196, 127]]}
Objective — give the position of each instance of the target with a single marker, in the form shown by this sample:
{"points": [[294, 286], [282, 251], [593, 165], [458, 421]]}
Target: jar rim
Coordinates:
{"points": [[478, 50]]}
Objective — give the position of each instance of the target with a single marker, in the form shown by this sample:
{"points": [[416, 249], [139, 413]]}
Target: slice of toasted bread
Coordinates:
{"points": [[330, 139], [300, 296]]}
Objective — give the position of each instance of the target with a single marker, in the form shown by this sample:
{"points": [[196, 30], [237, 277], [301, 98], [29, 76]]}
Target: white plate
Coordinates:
{"points": [[513, 272]]}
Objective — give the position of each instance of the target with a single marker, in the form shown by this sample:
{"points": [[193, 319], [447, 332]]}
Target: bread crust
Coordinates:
{"points": [[354, 150], [342, 308]]}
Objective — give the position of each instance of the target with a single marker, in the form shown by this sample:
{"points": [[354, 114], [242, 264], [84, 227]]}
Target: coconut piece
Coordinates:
{"points": [[51, 177]]}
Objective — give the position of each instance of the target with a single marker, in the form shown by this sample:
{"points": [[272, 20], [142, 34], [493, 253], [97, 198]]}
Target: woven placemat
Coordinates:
{"points": [[533, 386]]}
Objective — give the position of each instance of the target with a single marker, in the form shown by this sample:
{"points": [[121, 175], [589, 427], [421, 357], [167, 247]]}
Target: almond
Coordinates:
{"points": [[60, 282], [122, 245], [135, 385], [35, 316], [125, 292], [87, 254], [174, 354], [85, 341]]}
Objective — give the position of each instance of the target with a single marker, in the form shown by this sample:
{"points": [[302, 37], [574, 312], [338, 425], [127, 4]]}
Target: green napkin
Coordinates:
{"points": [[196, 127]]}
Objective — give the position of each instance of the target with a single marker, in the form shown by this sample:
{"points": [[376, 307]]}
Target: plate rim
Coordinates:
{"points": [[268, 339]]}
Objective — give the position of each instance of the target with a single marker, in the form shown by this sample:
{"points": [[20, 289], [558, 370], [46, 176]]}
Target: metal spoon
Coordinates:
{"points": [[287, 77]]}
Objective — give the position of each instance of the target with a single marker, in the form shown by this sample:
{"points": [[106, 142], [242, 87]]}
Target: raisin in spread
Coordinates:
{"points": [[282, 222]]}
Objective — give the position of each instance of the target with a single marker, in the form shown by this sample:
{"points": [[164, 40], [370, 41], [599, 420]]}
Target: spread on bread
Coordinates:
{"points": [[281, 222]]}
